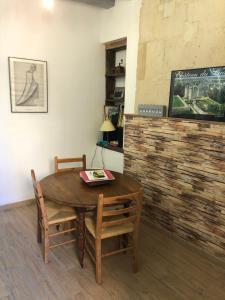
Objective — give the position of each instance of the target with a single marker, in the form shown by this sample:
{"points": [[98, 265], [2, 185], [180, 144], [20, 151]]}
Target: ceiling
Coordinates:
{"points": [[99, 3]]}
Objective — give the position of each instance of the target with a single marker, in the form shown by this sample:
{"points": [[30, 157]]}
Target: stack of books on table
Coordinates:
{"points": [[96, 176]]}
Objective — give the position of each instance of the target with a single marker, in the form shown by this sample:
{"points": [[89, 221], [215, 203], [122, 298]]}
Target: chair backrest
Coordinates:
{"points": [[70, 160], [39, 199], [108, 213]]}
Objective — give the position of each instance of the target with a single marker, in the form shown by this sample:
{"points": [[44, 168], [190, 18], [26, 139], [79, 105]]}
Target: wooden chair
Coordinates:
{"points": [[112, 221], [70, 160], [48, 214], [59, 161]]}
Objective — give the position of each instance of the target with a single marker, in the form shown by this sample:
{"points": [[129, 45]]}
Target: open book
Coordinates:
{"points": [[96, 175]]}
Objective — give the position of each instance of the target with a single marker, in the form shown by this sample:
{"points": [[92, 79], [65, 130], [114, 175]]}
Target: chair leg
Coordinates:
{"points": [[81, 238], [118, 242], [67, 225], [98, 261], [46, 247], [84, 245], [135, 252], [39, 237], [124, 242]]}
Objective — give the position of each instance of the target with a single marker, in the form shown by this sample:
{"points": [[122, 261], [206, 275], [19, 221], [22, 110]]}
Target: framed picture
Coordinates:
{"points": [[110, 111], [28, 85], [198, 94], [119, 93]]}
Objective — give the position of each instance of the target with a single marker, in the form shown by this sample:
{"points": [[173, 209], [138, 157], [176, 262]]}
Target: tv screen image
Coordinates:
{"points": [[198, 94]]}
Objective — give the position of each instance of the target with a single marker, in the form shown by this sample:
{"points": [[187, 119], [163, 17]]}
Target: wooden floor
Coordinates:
{"points": [[169, 268]]}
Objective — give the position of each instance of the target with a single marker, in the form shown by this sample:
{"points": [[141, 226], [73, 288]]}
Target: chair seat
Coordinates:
{"points": [[108, 231], [58, 213]]}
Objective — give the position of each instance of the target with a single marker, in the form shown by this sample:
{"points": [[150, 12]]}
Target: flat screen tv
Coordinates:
{"points": [[198, 94]]}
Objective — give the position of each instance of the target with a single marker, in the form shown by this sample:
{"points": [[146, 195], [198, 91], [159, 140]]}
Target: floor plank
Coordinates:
{"points": [[169, 268]]}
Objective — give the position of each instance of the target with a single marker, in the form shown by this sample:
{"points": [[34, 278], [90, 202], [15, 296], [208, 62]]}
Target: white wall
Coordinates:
{"points": [[68, 39], [123, 21], [109, 159]]}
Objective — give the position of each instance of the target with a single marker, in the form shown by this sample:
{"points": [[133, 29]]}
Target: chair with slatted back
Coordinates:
{"points": [[59, 161], [111, 221], [49, 214]]}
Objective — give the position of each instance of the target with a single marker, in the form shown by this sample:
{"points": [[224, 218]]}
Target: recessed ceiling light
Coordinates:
{"points": [[48, 4]]}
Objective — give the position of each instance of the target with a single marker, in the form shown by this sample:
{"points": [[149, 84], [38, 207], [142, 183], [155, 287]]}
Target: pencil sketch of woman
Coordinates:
{"points": [[30, 94]]}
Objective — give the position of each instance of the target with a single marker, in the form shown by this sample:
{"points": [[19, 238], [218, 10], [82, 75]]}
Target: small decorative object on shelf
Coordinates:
{"points": [[96, 177], [120, 122], [114, 143], [102, 143], [120, 69]]}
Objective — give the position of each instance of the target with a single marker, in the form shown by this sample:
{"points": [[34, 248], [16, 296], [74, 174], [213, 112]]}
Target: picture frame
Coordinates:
{"points": [[198, 94], [28, 79], [110, 110], [119, 93]]}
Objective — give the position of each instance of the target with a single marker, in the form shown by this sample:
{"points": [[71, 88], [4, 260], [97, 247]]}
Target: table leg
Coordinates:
{"points": [[81, 237]]}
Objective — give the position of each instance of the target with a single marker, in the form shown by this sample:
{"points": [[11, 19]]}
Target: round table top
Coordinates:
{"points": [[67, 188]]}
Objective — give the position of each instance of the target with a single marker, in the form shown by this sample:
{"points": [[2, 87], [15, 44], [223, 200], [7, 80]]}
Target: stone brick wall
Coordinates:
{"points": [[181, 165]]}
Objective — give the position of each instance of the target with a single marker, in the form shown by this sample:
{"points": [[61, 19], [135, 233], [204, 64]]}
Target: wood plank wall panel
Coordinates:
{"points": [[181, 164]]}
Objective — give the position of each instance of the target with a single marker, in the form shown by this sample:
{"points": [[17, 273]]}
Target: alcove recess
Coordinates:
{"points": [[115, 74]]}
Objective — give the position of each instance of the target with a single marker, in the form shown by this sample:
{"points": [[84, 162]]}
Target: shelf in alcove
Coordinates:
{"points": [[112, 148], [115, 75], [114, 100]]}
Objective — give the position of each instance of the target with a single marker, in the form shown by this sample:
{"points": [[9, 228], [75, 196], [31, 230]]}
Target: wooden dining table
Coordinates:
{"points": [[67, 188]]}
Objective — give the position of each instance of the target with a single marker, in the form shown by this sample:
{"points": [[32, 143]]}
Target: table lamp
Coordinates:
{"points": [[107, 126]]}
